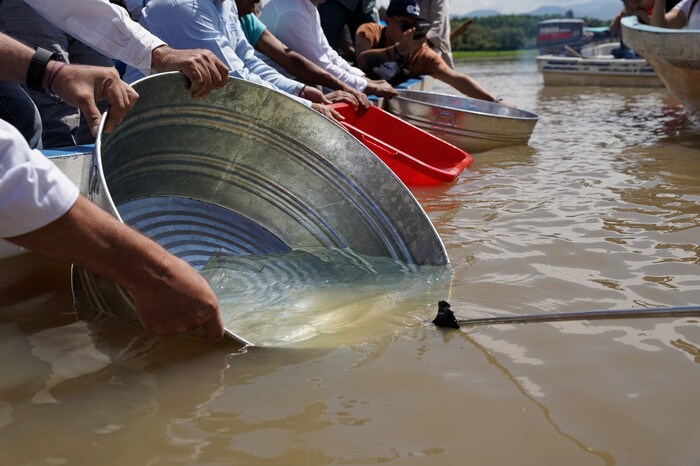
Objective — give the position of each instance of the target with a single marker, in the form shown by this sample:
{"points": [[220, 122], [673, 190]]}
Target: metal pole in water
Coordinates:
{"points": [[446, 318]]}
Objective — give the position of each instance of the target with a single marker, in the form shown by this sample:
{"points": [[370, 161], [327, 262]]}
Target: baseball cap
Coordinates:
{"points": [[407, 8]]}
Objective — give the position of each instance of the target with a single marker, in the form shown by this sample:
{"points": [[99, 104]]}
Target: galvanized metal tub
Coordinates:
{"points": [[246, 171], [470, 124]]}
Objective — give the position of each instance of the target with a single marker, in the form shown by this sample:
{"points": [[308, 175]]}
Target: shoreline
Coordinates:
{"points": [[494, 54]]}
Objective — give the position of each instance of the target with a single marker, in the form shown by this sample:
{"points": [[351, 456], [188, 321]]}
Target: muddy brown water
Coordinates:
{"points": [[600, 211]]}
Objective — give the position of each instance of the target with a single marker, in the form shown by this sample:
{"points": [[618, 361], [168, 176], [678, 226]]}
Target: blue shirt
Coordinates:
{"points": [[252, 27], [212, 25]]}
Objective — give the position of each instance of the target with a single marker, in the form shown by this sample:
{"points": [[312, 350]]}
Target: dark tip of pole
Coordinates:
{"points": [[445, 317]]}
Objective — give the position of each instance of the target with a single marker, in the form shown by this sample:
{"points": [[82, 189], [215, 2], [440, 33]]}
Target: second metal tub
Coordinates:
{"points": [[470, 124]]}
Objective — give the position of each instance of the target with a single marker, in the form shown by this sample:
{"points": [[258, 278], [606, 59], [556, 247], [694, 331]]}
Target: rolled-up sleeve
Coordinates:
{"points": [[254, 64], [105, 27], [33, 191], [299, 31]]}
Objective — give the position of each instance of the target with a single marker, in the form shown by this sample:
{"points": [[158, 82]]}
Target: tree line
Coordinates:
{"points": [[502, 32], [505, 32]]}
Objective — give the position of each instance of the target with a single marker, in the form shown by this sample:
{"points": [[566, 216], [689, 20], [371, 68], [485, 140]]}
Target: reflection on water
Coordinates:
{"points": [[599, 211], [280, 299]]}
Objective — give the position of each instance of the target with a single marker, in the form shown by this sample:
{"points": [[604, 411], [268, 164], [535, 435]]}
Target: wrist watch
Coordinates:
{"points": [[37, 68]]}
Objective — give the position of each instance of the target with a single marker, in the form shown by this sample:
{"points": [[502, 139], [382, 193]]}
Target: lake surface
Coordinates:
{"points": [[600, 211]]}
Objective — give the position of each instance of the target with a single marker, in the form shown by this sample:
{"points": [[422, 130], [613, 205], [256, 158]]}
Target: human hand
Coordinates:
{"points": [[363, 102], [83, 86], [505, 103], [328, 112], [205, 71], [314, 95], [381, 88], [169, 295], [176, 299], [407, 44], [358, 100]]}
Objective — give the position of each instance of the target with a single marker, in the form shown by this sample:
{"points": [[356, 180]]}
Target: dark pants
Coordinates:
{"points": [[624, 52], [18, 109], [63, 125], [335, 16]]}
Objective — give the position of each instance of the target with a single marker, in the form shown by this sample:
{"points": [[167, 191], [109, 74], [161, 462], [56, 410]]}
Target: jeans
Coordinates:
{"points": [[62, 124], [18, 109], [624, 52], [335, 16]]}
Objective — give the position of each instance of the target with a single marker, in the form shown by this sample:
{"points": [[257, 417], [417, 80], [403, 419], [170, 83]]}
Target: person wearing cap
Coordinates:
{"points": [[391, 52]]}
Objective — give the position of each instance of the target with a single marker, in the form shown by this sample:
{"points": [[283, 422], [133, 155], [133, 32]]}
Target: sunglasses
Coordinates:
{"points": [[406, 25]]}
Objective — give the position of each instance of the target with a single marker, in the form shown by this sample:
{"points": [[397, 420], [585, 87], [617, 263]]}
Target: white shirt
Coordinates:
{"points": [[33, 192], [694, 22], [105, 27], [298, 25]]}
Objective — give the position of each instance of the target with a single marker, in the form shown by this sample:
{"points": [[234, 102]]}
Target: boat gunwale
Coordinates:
{"points": [[661, 48], [534, 116], [602, 60]]}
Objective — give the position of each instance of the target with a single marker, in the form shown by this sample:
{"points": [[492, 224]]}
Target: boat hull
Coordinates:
{"points": [[470, 124], [575, 71], [675, 56]]}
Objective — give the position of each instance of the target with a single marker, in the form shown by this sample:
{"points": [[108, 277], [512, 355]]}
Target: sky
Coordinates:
{"points": [[460, 7]]}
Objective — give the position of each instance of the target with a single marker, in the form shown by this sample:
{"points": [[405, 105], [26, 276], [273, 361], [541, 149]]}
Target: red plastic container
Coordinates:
{"points": [[415, 156]]}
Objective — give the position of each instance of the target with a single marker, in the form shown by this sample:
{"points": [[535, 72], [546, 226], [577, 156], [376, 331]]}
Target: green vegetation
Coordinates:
{"points": [[493, 54], [504, 32]]}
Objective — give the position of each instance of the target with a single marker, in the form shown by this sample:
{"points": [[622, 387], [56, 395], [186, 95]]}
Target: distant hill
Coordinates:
{"points": [[551, 10], [480, 13], [599, 9]]}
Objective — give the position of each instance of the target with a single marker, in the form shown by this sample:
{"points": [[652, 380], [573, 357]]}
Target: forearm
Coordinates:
{"points": [[15, 59], [307, 71], [466, 85], [295, 63], [169, 295], [96, 241], [371, 58], [658, 14]]}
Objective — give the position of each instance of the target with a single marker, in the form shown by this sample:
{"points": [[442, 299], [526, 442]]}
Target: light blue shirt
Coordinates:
{"points": [[212, 25]]}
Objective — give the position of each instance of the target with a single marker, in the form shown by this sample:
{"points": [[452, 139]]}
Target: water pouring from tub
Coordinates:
{"points": [[249, 172]]}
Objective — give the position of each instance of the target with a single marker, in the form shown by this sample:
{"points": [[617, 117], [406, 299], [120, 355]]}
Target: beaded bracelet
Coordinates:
{"points": [[54, 72]]}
